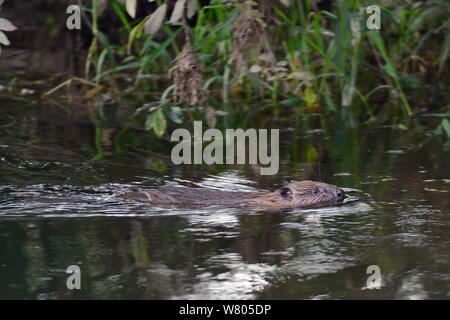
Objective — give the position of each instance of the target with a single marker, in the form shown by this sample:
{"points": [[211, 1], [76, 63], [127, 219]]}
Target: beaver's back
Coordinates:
{"points": [[188, 196]]}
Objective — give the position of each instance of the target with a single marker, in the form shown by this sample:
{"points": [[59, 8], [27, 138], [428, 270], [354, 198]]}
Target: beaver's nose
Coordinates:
{"points": [[341, 194]]}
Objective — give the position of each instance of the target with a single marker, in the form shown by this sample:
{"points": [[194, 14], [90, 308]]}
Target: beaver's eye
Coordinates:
{"points": [[285, 191], [315, 191]]}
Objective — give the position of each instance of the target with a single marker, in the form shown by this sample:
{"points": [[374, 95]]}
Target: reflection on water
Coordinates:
{"points": [[57, 209]]}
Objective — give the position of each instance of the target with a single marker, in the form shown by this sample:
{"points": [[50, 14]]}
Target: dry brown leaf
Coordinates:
{"points": [[301, 75], [237, 89], [92, 92], [187, 77], [156, 19], [6, 25], [282, 63], [313, 107], [267, 57], [191, 8], [178, 11], [256, 68], [131, 8]]}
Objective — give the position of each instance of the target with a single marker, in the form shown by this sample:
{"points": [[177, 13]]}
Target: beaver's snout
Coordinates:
{"points": [[340, 194]]}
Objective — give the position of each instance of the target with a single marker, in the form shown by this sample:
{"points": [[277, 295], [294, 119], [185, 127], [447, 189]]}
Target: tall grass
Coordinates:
{"points": [[325, 59]]}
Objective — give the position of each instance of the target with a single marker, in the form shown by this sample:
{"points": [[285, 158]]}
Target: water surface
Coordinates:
{"points": [[58, 208]]}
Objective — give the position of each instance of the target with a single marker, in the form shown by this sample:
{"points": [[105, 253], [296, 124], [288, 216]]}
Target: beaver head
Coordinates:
{"points": [[302, 194]]}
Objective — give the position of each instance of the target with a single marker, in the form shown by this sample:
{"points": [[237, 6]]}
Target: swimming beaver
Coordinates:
{"points": [[297, 194]]}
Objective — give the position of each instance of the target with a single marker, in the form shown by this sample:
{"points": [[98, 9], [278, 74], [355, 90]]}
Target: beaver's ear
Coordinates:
{"points": [[285, 192]]}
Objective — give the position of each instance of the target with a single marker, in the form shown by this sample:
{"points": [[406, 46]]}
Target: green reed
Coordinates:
{"points": [[333, 62]]}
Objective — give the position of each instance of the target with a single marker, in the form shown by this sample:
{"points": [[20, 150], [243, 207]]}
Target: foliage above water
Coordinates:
{"points": [[5, 25], [295, 56]]}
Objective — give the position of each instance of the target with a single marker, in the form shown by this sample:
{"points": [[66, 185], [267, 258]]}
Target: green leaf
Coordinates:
{"points": [[328, 101], [317, 31], [311, 154], [166, 92], [446, 125], [379, 43], [444, 53], [118, 8], [376, 38], [160, 123], [310, 96], [101, 60], [135, 33], [150, 122], [159, 165], [106, 44], [293, 102], [438, 115], [438, 131], [390, 70], [147, 60]]}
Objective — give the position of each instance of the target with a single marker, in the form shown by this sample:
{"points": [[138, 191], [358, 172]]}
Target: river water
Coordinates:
{"points": [[58, 208]]}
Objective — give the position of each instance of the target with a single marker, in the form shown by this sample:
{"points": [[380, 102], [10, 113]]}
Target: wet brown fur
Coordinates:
{"points": [[297, 194]]}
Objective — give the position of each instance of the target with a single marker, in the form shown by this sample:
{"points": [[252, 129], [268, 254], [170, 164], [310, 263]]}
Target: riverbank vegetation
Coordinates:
{"points": [[181, 60]]}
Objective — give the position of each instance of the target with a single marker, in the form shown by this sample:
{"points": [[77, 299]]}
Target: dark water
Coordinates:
{"points": [[57, 208]]}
